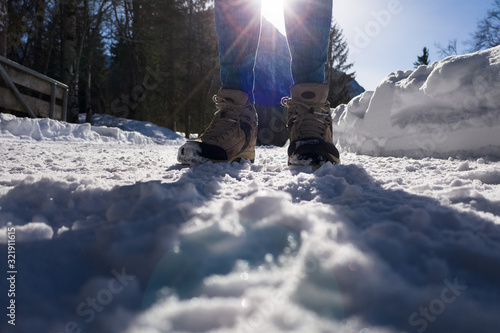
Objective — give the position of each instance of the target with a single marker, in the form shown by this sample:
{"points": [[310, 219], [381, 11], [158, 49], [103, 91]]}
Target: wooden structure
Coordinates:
{"points": [[23, 90]]}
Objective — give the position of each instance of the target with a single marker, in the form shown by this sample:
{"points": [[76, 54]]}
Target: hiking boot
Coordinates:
{"points": [[309, 122], [231, 135]]}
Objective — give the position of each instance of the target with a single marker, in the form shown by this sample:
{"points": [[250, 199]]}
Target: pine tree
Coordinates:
{"points": [[337, 68], [423, 59], [182, 53]]}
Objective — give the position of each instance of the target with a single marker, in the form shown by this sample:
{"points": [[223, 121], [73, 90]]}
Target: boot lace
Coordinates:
{"points": [[226, 119], [308, 120]]}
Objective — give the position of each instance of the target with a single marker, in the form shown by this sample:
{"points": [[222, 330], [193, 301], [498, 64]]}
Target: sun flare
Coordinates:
{"points": [[272, 10]]}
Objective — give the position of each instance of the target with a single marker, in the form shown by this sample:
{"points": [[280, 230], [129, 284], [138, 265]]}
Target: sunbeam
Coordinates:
{"points": [[272, 10]]}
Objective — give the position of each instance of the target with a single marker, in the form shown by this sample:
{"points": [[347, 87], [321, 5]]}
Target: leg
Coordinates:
{"points": [[308, 27], [309, 118], [232, 134], [238, 30]]}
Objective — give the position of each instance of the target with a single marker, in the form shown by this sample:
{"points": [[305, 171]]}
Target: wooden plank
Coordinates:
{"points": [[40, 108], [32, 82], [16, 92], [27, 70]]}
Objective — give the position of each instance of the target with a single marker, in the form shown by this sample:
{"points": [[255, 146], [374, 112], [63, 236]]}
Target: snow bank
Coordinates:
{"points": [[104, 128], [157, 133], [449, 108], [45, 129]]}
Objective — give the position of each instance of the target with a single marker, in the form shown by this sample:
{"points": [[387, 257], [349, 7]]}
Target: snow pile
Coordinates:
{"points": [[53, 130], [449, 108], [160, 135], [104, 128]]}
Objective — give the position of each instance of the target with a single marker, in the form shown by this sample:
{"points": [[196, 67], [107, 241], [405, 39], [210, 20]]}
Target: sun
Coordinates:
{"points": [[272, 10]]}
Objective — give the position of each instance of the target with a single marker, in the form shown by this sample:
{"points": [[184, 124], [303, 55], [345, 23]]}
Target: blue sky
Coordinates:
{"points": [[388, 35]]}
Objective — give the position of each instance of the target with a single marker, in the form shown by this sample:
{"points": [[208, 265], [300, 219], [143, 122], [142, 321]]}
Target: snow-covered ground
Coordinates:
{"points": [[111, 235]]}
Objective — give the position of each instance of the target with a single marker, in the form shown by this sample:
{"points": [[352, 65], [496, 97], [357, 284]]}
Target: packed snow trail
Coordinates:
{"points": [[119, 238]]}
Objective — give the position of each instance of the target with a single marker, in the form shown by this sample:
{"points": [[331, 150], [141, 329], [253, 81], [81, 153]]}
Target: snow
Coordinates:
{"points": [[113, 236], [52, 130], [157, 133], [449, 108]]}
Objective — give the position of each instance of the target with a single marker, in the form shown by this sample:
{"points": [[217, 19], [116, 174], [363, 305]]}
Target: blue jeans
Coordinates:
{"points": [[238, 28]]}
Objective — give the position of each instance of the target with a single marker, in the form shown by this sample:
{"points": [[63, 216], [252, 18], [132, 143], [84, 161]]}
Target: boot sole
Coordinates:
{"points": [[312, 152], [190, 156], [311, 159]]}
